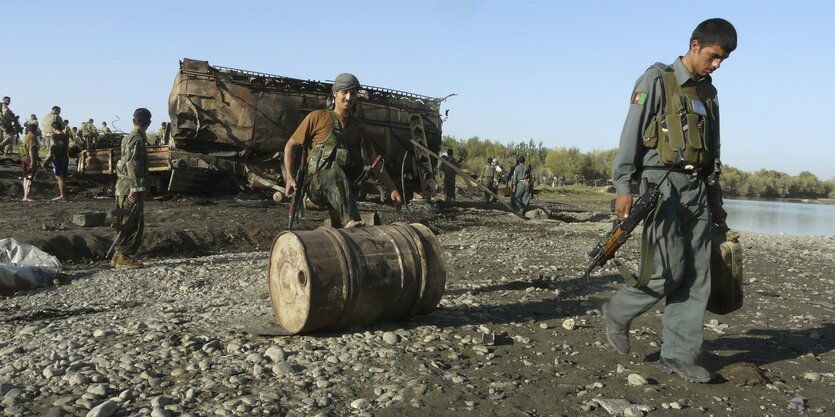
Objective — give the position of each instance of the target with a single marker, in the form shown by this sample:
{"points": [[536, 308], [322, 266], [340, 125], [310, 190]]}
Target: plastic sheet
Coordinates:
{"points": [[23, 267]]}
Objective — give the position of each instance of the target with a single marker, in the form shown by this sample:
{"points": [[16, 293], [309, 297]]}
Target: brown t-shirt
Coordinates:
{"points": [[317, 125], [30, 141]]}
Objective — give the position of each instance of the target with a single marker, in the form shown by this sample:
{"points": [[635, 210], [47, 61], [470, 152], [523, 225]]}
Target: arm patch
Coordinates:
{"points": [[639, 98]]}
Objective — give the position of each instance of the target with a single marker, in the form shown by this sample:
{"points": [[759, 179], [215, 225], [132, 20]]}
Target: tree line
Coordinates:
{"points": [[596, 165]]}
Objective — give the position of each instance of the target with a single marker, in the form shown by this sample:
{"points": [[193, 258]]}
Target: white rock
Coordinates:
{"points": [[633, 411], [76, 378], [812, 376], [568, 324], [276, 354], [360, 404], [636, 380], [105, 409], [160, 412], [391, 338], [282, 368]]}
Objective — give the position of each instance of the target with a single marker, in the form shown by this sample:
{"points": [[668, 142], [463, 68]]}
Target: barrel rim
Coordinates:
{"points": [[306, 268]]}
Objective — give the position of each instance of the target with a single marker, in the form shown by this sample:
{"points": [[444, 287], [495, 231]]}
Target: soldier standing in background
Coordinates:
{"points": [[132, 173], [488, 179], [161, 135], [33, 121], [89, 134], [51, 117], [10, 126], [449, 175], [48, 120], [520, 182], [104, 130]]}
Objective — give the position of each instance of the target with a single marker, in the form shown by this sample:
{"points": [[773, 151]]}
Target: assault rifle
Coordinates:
{"points": [[297, 201], [646, 203], [133, 217], [11, 124]]}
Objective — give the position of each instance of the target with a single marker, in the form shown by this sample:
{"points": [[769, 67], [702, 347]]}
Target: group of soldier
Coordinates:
{"points": [[676, 243], [59, 138], [84, 137], [519, 179]]}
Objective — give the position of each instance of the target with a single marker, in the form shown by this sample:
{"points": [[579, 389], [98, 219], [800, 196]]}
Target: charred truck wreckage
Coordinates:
{"points": [[228, 129]]}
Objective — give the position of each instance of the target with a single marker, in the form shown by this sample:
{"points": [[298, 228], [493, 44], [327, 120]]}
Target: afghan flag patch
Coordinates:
{"points": [[639, 98]]}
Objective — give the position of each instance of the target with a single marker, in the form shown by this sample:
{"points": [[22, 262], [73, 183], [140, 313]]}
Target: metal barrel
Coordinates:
{"points": [[335, 278]]}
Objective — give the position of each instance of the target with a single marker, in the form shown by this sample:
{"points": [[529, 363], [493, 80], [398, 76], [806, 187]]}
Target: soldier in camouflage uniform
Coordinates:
{"points": [[161, 139], [132, 173], [53, 116], [104, 130], [33, 121], [340, 156], [9, 127], [89, 134]]}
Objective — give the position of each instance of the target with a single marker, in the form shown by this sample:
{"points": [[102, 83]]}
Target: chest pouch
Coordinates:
{"points": [[332, 150], [684, 125]]}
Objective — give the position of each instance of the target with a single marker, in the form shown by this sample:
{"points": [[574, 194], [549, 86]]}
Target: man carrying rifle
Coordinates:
{"points": [[132, 173], [10, 127], [339, 157], [674, 107]]}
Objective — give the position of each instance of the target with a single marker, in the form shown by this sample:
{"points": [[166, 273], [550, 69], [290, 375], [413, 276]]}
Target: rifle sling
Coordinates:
{"points": [[647, 255]]}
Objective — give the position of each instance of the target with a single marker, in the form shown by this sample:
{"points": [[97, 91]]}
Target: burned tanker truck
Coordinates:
{"points": [[228, 129]]}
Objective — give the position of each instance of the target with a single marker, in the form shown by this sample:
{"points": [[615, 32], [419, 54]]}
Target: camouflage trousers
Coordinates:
{"points": [[132, 237], [7, 142], [88, 141], [330, 186]]}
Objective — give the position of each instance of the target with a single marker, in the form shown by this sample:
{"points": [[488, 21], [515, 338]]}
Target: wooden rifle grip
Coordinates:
{"points": [[611, 245]]}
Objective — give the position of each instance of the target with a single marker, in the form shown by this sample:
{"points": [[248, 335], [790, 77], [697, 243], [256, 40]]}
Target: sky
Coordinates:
{"points": [[559, 72]]}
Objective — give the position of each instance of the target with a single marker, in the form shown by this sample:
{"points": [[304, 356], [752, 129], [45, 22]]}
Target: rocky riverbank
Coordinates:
{"points": [[517, 333]]}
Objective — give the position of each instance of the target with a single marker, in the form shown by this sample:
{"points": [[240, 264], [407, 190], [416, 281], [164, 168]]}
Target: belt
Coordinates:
{"points": [[695, 172]]}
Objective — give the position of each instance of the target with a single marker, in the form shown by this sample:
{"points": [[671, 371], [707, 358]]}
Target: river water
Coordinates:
{"points": [[783, 217]]}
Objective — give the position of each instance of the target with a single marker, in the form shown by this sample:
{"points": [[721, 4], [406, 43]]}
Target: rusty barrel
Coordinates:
{"points": [[335, 278]]}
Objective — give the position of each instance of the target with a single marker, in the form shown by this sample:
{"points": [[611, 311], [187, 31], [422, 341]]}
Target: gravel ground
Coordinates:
{"points": [[196, 337]]}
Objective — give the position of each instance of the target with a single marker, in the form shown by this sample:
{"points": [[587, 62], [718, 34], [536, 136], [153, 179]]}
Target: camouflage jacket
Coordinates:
{"points": [[7, 120], [87, 129], [46, 127], [132, 168]]}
